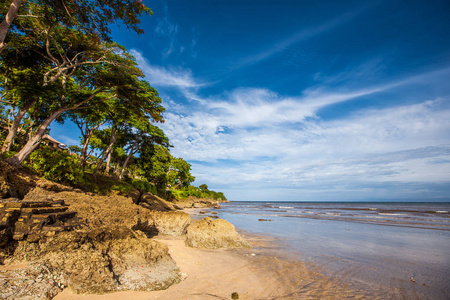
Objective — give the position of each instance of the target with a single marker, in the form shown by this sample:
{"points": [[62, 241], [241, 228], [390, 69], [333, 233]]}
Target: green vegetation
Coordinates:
{"points": [[56, 166], [58, 63], [198, 193]]}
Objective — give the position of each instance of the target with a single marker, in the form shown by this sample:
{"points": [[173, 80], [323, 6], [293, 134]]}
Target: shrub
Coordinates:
{"points": [[57, 166], [144, 186]]}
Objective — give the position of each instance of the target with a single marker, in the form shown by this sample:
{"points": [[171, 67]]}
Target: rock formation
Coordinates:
{"points": [[192, 202], [87, 242], [93, 261], [172, 223], [156, 203], [13, 183], [33, 220], [213, 234], [109, 259], [91, 243]]}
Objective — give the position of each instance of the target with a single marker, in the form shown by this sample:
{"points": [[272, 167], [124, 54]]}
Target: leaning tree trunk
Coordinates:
{"points": [[7, 21], [15, 126], [34, 141]]}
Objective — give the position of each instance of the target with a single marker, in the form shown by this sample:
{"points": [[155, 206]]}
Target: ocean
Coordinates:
{"points": [[384, 250]]}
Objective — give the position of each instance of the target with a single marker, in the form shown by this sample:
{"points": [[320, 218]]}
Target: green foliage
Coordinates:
{"points": [[155, 163], [104, 185], [75, 149], [58, 166], [8, 154], [144, 186], [198, 193], [60, 62], [179, 174]]}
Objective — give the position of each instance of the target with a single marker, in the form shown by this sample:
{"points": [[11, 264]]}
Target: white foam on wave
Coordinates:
{"points": [[391, 214], [442, 211]]}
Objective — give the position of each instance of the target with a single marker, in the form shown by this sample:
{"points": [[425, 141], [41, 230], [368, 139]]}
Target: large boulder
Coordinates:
{"points": [[172, 223], [213, 234]]}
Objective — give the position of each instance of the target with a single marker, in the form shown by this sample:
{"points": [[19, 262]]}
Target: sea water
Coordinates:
{"points": [[384, 250]]}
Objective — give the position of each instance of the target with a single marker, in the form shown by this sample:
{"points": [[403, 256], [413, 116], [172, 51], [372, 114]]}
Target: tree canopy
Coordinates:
{"points": [[59, 63]]}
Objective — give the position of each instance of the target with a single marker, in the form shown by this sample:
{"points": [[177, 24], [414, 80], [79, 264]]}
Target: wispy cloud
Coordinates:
{"points": [[260, 107], [387, 145], [279, 141], [300, 36], [165, 77], [169, 30]]}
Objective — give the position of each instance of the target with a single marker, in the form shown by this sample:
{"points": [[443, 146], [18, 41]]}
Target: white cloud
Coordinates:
{"points": [[255, 137], [397, 144], [164, 77]]}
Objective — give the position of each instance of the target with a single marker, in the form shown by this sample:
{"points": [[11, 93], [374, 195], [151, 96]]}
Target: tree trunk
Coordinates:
{"points": [[83, 155], [7, 21], [25, 136], [32, 143], [112, 140], [132, 151], [108, 163], [15, 126]]}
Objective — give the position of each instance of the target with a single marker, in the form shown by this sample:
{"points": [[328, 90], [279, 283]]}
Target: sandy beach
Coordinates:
{"points": [[251, 273]]}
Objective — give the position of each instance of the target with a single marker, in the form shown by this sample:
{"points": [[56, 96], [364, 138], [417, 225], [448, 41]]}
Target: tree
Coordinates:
{"points": [[89, 17], [135, 107], [70, 36], [88, 120], [21, 86], [88, 86], [7, 21], [144, 135], [154, 161], [179, 174]]}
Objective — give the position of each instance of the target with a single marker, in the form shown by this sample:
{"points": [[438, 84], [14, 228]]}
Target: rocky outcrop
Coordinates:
{"points": [[91, 243], [87, 242], [101, 260], [110, 259], [192, 202], [172, 223], [213, 234], [13, 183], [156, 203], [33, 220]]}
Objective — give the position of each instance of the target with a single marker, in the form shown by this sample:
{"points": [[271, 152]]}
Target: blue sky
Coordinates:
{"points": [[303, 100]]}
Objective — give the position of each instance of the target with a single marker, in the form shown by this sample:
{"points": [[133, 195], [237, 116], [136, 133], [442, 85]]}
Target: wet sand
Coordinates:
{"points": [[252, 273]]}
